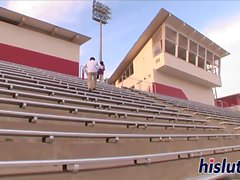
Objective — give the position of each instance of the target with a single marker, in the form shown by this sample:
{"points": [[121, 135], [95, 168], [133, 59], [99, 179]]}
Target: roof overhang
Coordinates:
{"points": [[33, 24], [164, 16]]}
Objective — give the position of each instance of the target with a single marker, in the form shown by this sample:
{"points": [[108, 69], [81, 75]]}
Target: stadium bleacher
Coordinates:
{"points": [[52, 127]]}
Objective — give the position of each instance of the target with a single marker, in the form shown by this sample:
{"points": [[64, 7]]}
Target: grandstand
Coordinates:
{"points": [[52, 127]]}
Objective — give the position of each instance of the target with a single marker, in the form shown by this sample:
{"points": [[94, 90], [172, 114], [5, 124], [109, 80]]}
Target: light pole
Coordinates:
{"points": [[100, 13]]}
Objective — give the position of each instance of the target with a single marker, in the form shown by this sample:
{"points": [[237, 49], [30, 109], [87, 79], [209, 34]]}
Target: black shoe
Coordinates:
{"points": [[90, 90]]}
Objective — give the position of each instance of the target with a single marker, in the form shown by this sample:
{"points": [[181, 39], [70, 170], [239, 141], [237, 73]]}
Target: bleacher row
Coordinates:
{"points": [[197, 107], [52, 126]]}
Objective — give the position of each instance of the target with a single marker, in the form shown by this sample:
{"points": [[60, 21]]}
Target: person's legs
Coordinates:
{"points": [[94, 75], [89, 80], [101, 77]]}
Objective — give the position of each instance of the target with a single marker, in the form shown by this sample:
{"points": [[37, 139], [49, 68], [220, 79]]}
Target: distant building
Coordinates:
{"points": [[174, 59], [28, 41], [232, 102]]}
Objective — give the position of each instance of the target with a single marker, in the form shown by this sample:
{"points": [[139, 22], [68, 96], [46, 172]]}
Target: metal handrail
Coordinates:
{"points": [[36, 116], [180, 117], [133, 160], [30, 133]]}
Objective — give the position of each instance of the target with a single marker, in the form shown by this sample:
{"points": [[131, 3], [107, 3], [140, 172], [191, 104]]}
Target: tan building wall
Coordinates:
{"points": [[143, 75], [194, 92], [38, 42]]}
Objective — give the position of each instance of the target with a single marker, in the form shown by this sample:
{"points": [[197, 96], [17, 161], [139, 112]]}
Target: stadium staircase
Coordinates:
{"points": [[52, 127]]}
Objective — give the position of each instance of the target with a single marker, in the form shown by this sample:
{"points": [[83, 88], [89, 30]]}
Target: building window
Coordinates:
{"points": [[192, 58], [201, 62], [131, 69], [182, 47], [201, 51], [170, 47], [182, 53], [193, 47], [120, 79], [201, 57], [156, 49], [192, 52], [209, 56], [170, 42], [183, 41], [171, 35], [157, 42], [128, 72], [217, 65], [210, 64], [124, 76], [186, 49]]}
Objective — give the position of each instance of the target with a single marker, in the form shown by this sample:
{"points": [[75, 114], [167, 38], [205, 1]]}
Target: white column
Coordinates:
{"points": [[188, 49], [205, 60], [176, 46], [100, 46], [163, 37], [196, 59], [219, 68]]}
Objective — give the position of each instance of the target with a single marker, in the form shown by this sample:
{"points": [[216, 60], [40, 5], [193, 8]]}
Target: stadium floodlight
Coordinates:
{"points": [[100, 13]]}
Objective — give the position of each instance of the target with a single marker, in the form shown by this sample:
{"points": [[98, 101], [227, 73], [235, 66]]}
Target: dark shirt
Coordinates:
{"points": [[101, 70]]}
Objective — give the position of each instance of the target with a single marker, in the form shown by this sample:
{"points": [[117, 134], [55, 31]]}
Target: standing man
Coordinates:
{"points": [[91, 67]]}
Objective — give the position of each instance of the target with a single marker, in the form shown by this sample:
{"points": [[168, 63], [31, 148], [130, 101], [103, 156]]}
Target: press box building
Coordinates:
{"points": [[28, 41], [172, 58]]}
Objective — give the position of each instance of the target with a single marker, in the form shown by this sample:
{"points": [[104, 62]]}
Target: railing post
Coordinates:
{"points": [[82, 74], [154, 88]]}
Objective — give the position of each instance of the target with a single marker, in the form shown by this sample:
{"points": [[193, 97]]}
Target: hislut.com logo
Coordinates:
{"points": [[212, 166]]}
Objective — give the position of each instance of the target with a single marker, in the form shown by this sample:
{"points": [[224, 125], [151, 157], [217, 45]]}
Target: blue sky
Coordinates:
{"points": [[218, 20]]}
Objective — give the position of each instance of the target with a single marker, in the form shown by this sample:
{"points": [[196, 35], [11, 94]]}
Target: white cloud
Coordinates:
{"points": [[226, 34], [51, 11]]}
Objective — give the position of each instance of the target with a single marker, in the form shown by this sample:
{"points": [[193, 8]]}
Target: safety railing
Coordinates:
{"points": [[76, 165], [49, 136]]}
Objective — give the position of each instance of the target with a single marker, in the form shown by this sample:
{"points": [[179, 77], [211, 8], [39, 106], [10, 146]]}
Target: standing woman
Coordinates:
{"points": [[101, 71]]}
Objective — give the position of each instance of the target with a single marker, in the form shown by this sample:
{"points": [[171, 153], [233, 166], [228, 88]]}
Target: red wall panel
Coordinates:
{"points": [[38, 60], [168, 90], [228, 101]]}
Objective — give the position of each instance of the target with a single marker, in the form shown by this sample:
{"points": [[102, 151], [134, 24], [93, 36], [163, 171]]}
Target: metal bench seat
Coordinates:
{"points": [[116, 113], [62, 100], [33, 74], [197, 107], [67, 85], [84, 97], [34, 117], [116, 136], [71, 92], [75, 165]]}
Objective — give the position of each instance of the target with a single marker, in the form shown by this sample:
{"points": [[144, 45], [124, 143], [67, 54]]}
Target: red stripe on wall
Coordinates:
{"points": [[168, 91], [38, 60]]}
